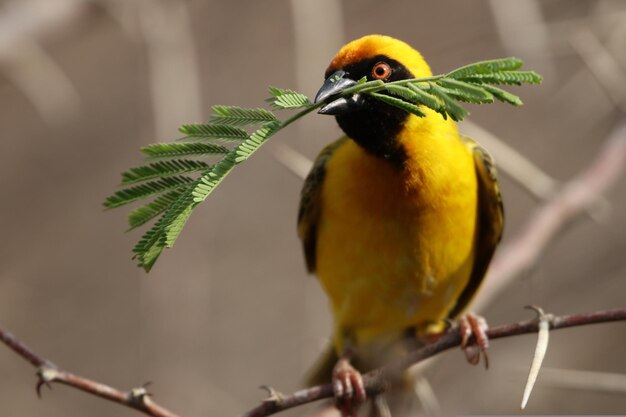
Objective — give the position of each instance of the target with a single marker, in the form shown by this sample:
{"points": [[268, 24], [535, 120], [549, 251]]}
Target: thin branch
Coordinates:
{"points": [[295, 162], [173, 70], [603, 65], [513, 19], [376, 381], [137, 398], [23, 60], [512, 163], [427, 397]]}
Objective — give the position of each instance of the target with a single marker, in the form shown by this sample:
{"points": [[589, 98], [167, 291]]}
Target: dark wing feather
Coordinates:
{"points": [[490, 221], [310, 203]]}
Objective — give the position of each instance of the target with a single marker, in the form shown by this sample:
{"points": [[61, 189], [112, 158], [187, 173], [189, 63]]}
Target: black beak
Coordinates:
{"points": [[334, 86]]}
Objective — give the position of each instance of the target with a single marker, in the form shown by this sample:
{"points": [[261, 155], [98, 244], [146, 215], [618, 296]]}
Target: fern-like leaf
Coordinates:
{"points": [[214, 177], [144, 214], [287, 99], [214, 132], [506, 77], [456, 112], [503, 95], [486, 67], [162, 169], [178, 149], [404, 105], [426, 98], [256, 139], [403, 92], [238, 116], [141, 191], [164, 232], [463, 91]]}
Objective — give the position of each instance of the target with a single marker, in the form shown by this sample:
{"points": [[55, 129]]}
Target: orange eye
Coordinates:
{"points": [[381, 71]]}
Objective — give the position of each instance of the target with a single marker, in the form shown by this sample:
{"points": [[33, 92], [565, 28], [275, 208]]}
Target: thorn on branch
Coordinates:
{"points": [[274, 396], [46, 375], [137, 396], [544, 322]]}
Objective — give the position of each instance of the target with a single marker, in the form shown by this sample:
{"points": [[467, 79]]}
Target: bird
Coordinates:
{"points": [[398, 219]]}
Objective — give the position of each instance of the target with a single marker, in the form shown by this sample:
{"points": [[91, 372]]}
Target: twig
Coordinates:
{"points": [[512, 19], [295, 162], [426, 396], [512, 163], [173, 70], [137, 398], [576, 196], [23, 60], [603, 65], [375, 381]]}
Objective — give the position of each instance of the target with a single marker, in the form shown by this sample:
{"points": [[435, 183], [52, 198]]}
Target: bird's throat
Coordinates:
{"points": [[375, 127]]}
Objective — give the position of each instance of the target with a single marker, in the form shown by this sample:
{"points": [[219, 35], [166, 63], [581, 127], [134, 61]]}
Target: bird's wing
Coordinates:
{"points": [[490, 221], [310, 203]]}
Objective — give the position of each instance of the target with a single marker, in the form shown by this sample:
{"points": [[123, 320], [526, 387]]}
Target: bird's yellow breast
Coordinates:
{"points": [[395, 245]]}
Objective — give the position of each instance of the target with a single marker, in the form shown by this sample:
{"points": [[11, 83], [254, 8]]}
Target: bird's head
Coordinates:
{"points": [[370, 122]]}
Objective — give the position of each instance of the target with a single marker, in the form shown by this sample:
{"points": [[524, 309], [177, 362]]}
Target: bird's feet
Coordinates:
{"points": [[473, 325], [348, 388]]}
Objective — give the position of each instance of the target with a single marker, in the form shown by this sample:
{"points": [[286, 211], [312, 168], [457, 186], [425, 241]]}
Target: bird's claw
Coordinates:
{"points": [[473, 325], [348, 388]]}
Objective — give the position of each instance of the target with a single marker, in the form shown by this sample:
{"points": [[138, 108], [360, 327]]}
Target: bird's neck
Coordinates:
{"points": [[375, 128], [396, 136]]}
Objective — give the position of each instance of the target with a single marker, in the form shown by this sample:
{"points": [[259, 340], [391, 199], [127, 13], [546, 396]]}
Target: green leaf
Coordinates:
{"points": [[214, 177], [238, 116], [138, 192], [176, 223], [404, 105], [167, 229], [246, 148], [456, 112], [427, 99], [287, 99], [171, 150], [144, 214], [214, 132], [503, 96], [162, 169], [164, 232], [176, 195], [465, 92], [486, 67], [403, 92], [506, 77]]}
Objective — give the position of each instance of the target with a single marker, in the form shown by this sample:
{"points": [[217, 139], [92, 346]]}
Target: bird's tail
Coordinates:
{"points": [[399, 401]]}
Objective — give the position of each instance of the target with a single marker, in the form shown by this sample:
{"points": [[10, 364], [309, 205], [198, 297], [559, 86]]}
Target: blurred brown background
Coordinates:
{"points": [[84, 84]]}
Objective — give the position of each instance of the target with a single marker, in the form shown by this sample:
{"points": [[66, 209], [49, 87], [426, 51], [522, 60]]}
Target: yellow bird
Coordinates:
{"points": [[399, 219]]}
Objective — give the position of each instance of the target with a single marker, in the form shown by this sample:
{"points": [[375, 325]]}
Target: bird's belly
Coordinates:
{"points": [[390, 259]]}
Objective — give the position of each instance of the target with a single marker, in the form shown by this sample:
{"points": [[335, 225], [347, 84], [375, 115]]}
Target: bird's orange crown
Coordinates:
{"points": [[372, 45]]}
